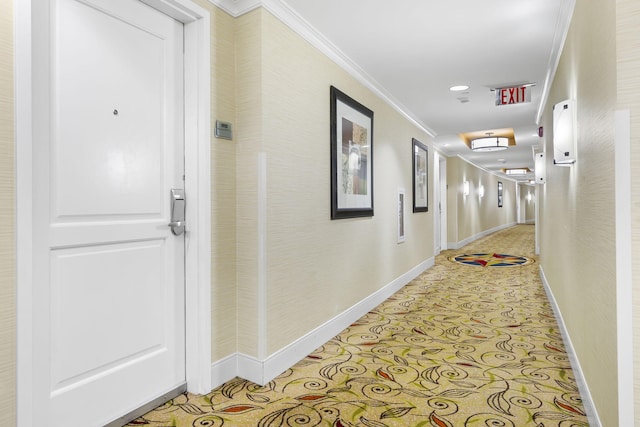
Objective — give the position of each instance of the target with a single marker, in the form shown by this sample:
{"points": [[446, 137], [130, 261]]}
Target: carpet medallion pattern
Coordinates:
{"points": [[491, 260], [452, 348]]}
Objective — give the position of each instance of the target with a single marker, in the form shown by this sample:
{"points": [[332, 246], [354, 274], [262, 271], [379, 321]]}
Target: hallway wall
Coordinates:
{"points": [[298, 269], [223, 184], [628, 61], [469, 217], [7, 221], [577, 206], [527, 204]]}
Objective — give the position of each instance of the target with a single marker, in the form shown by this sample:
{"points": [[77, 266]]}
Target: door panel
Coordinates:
{"points": [[109, 274], [120, 315], [107, 116], [116, 140]]}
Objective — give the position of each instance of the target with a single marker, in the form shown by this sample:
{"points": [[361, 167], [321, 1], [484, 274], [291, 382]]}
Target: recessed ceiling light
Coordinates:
{"points": [[458, 88]]}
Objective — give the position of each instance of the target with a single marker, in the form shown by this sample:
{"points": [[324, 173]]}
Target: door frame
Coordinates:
{"points": [[197, 111], [437, 239], [444, 206], [440, 202], [518, 221]]}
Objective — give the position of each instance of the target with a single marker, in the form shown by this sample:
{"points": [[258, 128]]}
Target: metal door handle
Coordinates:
{"points": [[177, 211]]}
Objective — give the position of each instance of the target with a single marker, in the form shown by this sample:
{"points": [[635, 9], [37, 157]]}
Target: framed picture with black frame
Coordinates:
{"points": [[499, 194], [420, 176], [351, 157]]}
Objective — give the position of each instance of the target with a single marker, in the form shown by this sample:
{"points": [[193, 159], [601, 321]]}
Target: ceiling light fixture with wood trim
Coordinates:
{"points": [[488, 137], [490, 143], [516, 171]]}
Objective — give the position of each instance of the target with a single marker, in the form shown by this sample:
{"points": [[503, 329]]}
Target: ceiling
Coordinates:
{"points": [[415, 50]]}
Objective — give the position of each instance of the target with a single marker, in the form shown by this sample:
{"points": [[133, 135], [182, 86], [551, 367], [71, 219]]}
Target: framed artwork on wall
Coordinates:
{"points": [[351, 157], [499, 194], [420, 177]]}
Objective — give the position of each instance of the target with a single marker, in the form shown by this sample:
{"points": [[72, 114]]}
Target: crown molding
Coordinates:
{"points": [[560, 36], [494, 173], [236, 8], [282, 11]]}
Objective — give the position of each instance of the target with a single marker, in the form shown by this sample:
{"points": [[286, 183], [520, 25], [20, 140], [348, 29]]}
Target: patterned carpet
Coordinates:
{"points": [[491, 260], [458, 346]]}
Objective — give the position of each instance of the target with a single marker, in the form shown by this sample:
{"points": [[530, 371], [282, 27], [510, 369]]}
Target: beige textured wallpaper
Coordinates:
{"points": [[314, 268], [628, 59], [468, 216], [7, 221], [577, 204], [248, 39], [223, 186]]}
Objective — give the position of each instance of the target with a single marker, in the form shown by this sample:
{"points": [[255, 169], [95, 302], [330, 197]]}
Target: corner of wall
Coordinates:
{"points": [[7, 219], [249, 117]]}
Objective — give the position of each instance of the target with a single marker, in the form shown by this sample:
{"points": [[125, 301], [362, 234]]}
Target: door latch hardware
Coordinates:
{"points": [[177, 211]]}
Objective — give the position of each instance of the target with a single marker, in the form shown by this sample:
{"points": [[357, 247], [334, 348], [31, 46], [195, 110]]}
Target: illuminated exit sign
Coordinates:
{"points": [[513, 95]]}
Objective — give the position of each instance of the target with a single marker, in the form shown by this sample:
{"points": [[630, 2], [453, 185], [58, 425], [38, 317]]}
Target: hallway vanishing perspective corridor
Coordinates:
{"points": [[461, 345]]}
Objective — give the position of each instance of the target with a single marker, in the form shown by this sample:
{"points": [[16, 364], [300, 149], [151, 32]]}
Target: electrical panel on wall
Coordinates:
{"points": [[564, 133], [541, 168]]}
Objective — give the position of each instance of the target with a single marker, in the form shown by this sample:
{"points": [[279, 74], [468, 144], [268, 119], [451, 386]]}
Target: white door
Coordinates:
{"points": [[108, 298]]}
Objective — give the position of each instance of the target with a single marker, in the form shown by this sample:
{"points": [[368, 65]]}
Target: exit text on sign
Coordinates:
{"points": [[513, 95]]}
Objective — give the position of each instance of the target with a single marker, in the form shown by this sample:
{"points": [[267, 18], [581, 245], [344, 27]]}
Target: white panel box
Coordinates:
{"points": [[541, 168], [564, 133]]}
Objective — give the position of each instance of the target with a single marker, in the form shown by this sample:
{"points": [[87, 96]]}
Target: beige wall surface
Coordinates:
{"points": [[628, 59], [469, 216], [248, 34], [577, 203], [314, 268], [7, 221], [223, 185], [527, 204]]}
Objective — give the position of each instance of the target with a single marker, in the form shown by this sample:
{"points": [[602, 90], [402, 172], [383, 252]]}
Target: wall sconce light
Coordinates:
{"points": [[528, 197], [481, 191], [564, 133], [465, 188]]}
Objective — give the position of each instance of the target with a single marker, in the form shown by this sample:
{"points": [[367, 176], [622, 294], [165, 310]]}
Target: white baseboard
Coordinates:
{"points": [[224, 370], [458, 245], [263, 371], [587, 400]]}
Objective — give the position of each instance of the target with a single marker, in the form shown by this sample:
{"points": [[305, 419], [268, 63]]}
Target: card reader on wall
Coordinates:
{"points": [[223, 130]]}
